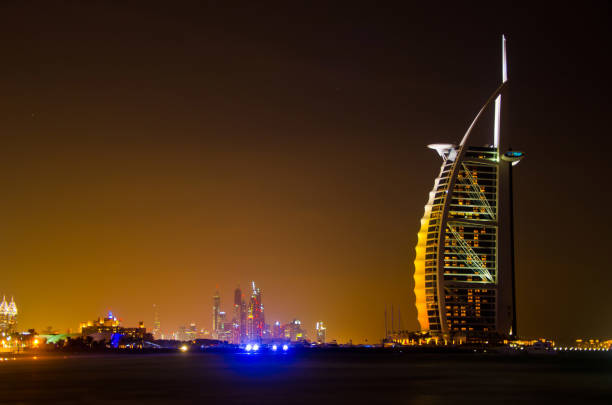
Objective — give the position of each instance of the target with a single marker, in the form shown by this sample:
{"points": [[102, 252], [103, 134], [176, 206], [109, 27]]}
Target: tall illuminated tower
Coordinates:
{"points": [[255, 318], [321, 331], [216, 321], [156, 323], [464, 275], [243, 320], [238, 320]]}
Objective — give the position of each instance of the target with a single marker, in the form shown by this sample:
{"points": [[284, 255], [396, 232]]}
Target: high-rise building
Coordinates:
{"points": [[293, 331], [277, 330], [227, 334], [321, 329], [464, 268], [8, 316], [239, 324], [156, 324], [266, 333], [235, 339], [191, 333], [237, 301], [216, 324], [182, 334], [255, 318], [243, 320]]}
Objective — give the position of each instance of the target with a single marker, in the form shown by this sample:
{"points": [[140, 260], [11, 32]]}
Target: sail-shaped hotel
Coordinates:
{"points": [[464, 266]]}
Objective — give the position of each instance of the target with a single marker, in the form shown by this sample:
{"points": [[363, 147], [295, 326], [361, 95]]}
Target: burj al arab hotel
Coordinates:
{"points": [[464, 266]]}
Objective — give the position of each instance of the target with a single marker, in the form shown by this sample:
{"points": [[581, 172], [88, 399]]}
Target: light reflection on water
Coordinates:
{"points": [[301, 378]]}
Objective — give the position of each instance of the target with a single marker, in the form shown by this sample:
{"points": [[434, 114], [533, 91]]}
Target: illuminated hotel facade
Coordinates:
{"points": [[464, 268]]}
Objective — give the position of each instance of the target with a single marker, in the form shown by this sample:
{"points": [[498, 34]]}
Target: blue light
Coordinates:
{"points": [[255, 347], [274, 347], [115, 338], [285, 347], [248, 348]]}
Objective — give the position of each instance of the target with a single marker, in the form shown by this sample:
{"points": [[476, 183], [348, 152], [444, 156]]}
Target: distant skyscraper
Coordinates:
{"points": [[222, 320], [267, 331], [182, 334], [216, 324], [156, 323], [464, 272], [255, 318], [192, 332], [320, 328], [294, 332], [277, 330], [239, 327], [8, 316], [243, 320], [237, 297]]}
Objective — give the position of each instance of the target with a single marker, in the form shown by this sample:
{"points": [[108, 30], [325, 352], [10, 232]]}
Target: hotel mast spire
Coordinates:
{"points": [[495, 96], [498, 99]]}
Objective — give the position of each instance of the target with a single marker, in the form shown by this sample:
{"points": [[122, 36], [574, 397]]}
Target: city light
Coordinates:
{"points": [[184, 348], [247, 324]]}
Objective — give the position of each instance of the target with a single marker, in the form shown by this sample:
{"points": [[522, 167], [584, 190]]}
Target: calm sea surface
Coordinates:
{"points": [[307, 377]]}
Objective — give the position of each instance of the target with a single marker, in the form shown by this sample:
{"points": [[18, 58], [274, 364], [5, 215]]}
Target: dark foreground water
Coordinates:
{"points": [[308, 377]]}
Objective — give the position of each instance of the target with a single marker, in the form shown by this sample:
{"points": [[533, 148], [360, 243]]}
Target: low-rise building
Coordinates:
{"points": [[105, 328]]}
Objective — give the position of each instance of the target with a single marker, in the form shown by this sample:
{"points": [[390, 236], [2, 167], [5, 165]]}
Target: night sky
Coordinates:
{"points": [[150, 152]]}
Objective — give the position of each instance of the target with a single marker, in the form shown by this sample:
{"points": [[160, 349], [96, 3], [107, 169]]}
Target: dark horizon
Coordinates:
{"points": [[151, 152]]}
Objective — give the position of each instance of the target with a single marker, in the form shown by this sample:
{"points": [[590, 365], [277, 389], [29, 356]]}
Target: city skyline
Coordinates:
{"points": [[147, 157]]}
